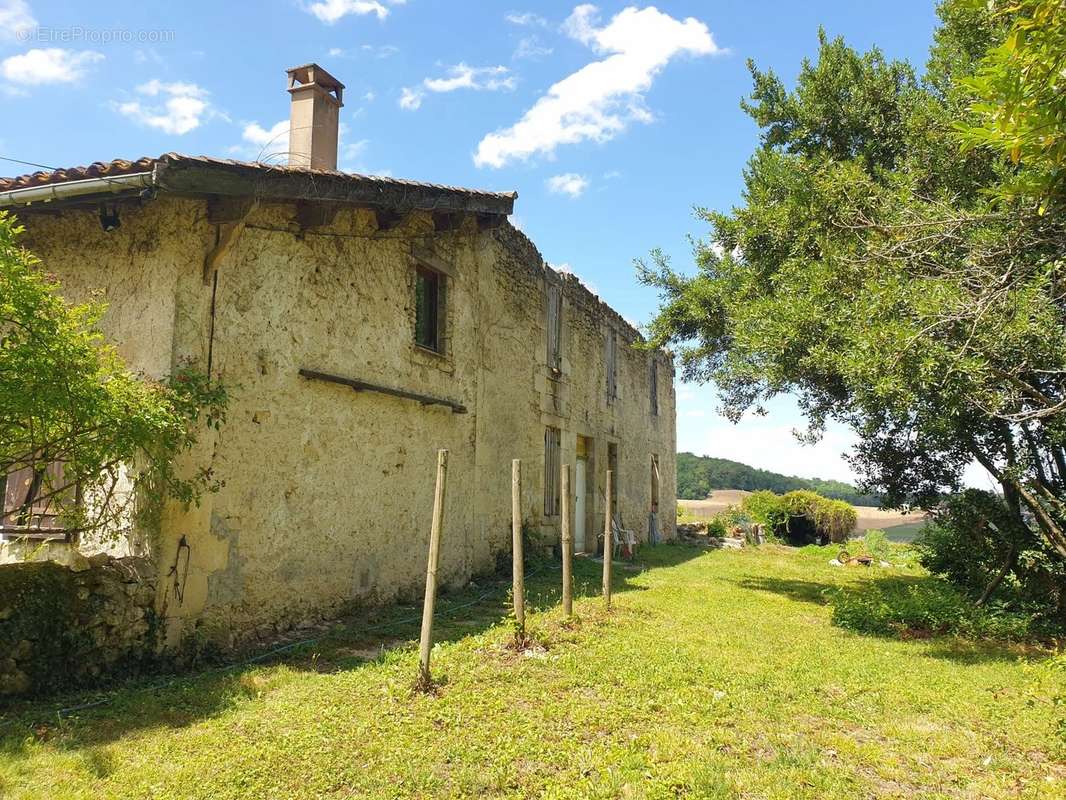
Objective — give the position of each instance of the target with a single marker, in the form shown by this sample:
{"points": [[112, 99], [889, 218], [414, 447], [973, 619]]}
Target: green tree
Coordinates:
{"points": [[93, 443], [876, 271], [1018, 96]]}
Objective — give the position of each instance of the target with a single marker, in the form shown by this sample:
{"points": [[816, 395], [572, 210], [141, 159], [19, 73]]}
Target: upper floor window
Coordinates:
{"points": [[555, 327], [612, 366], [429, 309], [653, 388]]}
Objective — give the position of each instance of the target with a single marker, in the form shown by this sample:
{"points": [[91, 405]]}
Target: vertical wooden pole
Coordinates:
{"points": [[426, 643], [567, 543], [517, 560], [608, 541]]}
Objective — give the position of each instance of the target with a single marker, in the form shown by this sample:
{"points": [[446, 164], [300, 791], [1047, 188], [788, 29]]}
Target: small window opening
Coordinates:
{"points": [[429, 307], [552, 456]]}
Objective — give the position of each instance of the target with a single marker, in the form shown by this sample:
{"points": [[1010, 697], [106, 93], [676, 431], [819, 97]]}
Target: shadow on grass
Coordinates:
{"points": [[86, 721], [803, 591], [923, 609]]}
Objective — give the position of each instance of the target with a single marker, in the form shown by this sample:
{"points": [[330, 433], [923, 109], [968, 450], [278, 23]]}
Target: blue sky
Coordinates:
{"points": [[611, 121]]}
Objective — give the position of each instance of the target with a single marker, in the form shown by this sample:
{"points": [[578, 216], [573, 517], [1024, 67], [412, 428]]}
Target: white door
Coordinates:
{"points": [[579, 506]]}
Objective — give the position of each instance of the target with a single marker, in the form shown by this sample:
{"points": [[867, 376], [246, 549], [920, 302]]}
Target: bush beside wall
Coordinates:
{"points": [[63, 627]]}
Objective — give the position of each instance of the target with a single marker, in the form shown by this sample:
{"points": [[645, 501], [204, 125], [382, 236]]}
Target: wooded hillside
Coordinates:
{"points": [[698, 476]]}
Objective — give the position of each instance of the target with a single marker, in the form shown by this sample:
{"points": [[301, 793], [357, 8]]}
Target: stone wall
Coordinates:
{"points": [[328, 492], [64, 627]]}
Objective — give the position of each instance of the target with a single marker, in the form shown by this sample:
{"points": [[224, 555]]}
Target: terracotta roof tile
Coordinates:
{"points": [[120, 166], [97, 169]]}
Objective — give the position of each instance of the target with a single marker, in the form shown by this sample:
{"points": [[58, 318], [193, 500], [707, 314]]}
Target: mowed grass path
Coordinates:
{"points": [[716, 674]]}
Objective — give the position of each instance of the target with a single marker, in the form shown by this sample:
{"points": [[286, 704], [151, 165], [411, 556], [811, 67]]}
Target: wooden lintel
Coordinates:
{"points": [[222, 210], [431, 260]]}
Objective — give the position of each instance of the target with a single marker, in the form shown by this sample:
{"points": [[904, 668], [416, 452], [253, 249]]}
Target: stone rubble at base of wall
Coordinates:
{"points": [[99, 627]]}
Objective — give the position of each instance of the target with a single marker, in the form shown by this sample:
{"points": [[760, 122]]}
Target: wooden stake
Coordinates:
{"points": [[608, 544], [426, 643], [567, 544], [517, 559]]}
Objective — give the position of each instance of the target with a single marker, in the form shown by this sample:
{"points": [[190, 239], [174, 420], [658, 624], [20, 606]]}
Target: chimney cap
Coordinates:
{"points": [[312, 74]]}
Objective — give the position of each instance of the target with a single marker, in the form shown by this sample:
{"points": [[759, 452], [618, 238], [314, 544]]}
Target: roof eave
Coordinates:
{"points": [[195, 177], [67, 190]]}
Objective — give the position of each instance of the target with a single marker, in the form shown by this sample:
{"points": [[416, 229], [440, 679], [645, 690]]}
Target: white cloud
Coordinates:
{"points": [[568, 183], [355, 150], [16, 20], [330, 11], [369, 96], [269, 142], [460, 76], [530, 47], [50, 65], [372, 50], [380, 51], [184, 106], [411, 99], [600, 99], [526, 19]]}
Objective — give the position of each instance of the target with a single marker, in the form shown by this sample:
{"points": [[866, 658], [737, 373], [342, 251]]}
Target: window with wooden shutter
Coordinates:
{"points": [[555, 327], [429, 309], [655, 482], [653, 387], [32, 497], [612, 366], [553, 438]]}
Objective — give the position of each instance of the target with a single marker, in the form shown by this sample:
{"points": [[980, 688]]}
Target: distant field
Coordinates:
{"points": [[899, 527]]}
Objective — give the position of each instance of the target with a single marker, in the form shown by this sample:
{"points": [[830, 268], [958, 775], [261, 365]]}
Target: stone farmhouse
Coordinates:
{"points": [[359, 323]]}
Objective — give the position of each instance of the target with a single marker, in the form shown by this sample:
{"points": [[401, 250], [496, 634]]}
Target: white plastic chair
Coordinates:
{"points": [[622, 538]]}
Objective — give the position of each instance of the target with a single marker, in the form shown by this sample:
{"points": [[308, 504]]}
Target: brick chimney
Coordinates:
{"points": [[317, 98]]}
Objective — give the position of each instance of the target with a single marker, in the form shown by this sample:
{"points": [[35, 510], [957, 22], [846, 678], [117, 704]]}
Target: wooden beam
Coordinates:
{"points": [[432, 260], [363, 386], [226, 235]]}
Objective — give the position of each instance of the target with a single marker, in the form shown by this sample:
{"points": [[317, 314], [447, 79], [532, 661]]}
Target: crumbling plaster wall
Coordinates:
{"points": [[328, 491], [521, 390], [135, 271]]}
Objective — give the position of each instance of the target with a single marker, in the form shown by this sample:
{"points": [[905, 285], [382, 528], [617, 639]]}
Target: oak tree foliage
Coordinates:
{"points": [[898, 261]]}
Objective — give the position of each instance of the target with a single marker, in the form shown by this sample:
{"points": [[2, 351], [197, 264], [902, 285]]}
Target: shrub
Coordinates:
{"points": [[924, 607], [802, 516], [876, 543], [974, 539], [766, 509], [716, 527]]}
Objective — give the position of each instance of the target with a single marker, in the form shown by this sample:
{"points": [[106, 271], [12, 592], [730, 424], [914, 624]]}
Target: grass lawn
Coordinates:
{"points": [[716, 674]]}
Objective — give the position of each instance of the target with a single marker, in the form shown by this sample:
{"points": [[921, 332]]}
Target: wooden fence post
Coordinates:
{"points": [[608, 543], [518, 577], [426, 643], [567, 544]]}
